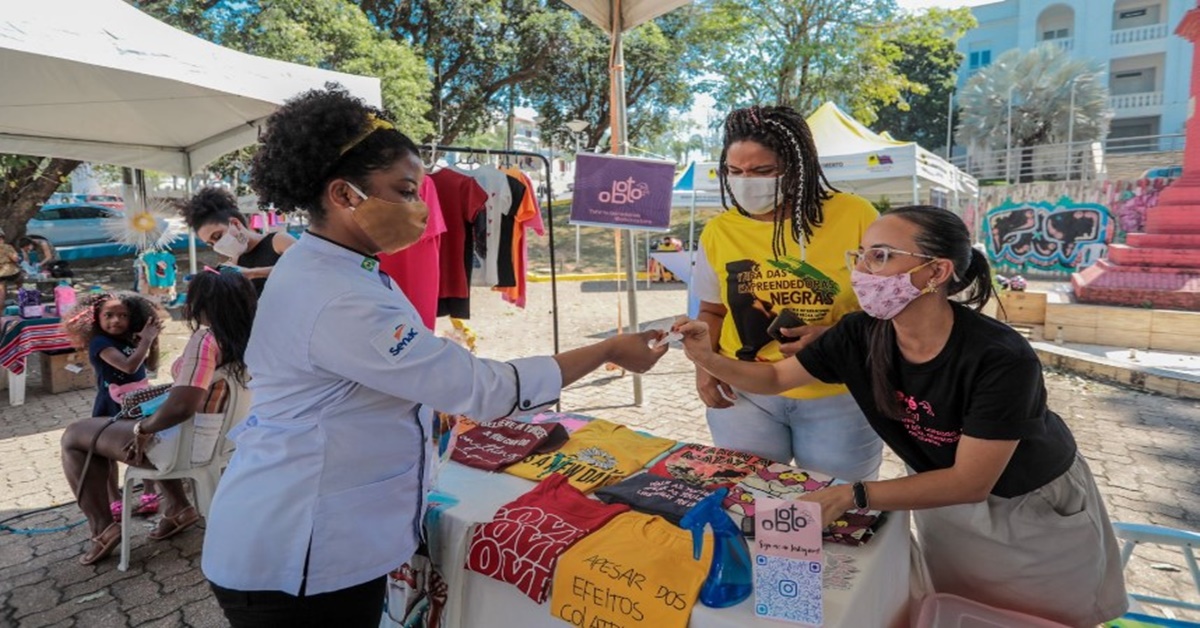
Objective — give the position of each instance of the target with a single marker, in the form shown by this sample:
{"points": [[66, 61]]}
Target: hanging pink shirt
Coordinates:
{"points": [[417, 269]]}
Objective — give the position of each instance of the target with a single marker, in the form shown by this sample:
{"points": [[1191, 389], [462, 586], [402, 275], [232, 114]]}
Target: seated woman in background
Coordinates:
{"points": [[1007, 511], [213, 214], [40, 255], [220, 310]]}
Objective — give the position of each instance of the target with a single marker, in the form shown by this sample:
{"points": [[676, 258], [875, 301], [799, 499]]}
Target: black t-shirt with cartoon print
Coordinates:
{"points": [[986, 383]]}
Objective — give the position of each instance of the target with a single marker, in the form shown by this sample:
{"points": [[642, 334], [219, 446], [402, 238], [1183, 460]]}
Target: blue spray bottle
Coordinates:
{"points": [[730, 579]]}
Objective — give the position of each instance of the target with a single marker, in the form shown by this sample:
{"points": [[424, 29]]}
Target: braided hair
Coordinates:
{"points": [[802, 185]]}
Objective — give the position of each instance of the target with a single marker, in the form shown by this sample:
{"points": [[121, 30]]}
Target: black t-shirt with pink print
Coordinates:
{"points": [[986, 383]]}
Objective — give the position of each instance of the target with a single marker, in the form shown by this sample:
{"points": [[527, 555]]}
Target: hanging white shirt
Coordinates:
{"points": [[499, 203], [333, 462]]}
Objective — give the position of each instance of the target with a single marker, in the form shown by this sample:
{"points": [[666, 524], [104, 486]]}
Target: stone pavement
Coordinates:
{"points": [[1143, 448]]}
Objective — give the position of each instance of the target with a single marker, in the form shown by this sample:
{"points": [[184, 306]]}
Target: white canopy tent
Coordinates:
{"points": [[98, 80], [615, 17], [856, 159]]}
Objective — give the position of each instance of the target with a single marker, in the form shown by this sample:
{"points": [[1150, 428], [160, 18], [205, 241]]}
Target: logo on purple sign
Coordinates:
{"points": [[624, 192]]}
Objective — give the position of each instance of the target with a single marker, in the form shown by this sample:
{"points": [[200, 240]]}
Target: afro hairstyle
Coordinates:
{"points": [[316, 137]]}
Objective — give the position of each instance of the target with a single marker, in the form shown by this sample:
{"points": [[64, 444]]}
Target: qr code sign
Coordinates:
{"points": [[788, 589]]}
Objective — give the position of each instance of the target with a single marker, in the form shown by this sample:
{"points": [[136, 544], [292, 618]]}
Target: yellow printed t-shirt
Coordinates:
{"points": [[636, 571], [597, 454], [755, 287]]}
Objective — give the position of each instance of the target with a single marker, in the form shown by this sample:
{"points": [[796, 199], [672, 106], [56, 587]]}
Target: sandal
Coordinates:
{"points": [[101, 546], [170, 526], [149, 505], [115, 509]]}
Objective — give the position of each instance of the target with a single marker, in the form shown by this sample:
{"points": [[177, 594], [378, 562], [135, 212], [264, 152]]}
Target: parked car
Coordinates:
{"points": [[72, 224], [1166, 172], [105, 200]]}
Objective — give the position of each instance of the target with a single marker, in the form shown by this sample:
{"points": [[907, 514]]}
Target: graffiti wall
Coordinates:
{"points": [[1025, 230], [1063, 236]]}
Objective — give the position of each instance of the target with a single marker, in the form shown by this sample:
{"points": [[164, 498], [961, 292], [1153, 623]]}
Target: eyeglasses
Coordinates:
{"points": [[876, 257]]}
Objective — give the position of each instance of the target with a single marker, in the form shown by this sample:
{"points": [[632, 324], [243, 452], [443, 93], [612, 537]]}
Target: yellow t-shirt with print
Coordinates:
{"points": [[597, 455], [638, 570], [813, 280]]}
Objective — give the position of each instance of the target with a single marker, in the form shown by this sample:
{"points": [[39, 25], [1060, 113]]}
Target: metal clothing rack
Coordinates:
{"points": [[434, 149]]}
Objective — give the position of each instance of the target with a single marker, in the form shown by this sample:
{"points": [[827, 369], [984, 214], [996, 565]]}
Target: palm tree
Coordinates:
{"points": [[1040, 83]]}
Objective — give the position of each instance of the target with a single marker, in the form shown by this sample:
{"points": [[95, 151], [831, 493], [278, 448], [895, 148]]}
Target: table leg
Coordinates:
{"points": [[16, 389]]}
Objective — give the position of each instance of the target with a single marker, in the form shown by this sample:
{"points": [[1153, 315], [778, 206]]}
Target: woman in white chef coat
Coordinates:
{"points": [[325, 493]]}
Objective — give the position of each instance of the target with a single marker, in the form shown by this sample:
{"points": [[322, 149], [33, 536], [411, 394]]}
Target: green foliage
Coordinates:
{"points": [[27, 183], [802, 53], [656, 88], [930, 60], [1041, 81], [476, 50], [329, 34]]}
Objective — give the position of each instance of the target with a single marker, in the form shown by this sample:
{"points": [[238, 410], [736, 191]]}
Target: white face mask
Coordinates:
{"points": [[232, 243], [756, 195]]}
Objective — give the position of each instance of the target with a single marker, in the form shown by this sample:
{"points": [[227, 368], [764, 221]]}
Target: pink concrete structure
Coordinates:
{"points": [[1161, 267]]}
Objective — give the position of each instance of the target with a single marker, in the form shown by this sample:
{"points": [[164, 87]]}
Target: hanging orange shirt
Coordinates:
{"points": [[529, 216]]}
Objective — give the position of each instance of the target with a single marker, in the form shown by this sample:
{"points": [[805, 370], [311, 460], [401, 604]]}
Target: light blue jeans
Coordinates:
{"points": [[828, 435]]}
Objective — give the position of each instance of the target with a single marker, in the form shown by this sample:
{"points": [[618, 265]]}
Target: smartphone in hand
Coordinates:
{"points": [[787, 318]]}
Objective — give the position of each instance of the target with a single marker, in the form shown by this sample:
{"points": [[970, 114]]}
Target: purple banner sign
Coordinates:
{"points": [[623, 192]]}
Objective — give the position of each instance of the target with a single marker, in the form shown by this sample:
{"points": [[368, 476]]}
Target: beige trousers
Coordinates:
{"points": [[1050, 553]]}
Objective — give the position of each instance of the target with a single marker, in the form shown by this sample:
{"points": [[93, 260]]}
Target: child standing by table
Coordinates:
{"points": [[120, 331]]}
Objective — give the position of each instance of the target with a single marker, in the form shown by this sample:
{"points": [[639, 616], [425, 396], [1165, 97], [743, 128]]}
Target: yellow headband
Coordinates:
{"points": [[373, 125]]}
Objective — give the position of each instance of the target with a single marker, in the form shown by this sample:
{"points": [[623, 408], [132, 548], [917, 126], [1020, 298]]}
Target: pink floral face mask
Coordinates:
{"points": [[885, 296]]}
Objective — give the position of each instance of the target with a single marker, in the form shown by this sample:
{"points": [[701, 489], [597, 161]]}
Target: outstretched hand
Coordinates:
{"points": [[632, 352], [697, 343]]}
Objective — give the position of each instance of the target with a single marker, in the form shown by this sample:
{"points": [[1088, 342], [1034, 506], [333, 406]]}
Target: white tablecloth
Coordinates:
{"points": [[869, 587]]}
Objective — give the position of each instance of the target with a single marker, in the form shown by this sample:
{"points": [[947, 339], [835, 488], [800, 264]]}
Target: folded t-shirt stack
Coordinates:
{"points": [[781, 481], [522, 543], [709, 467], [598, 454], [666, 497], [493, 446]]}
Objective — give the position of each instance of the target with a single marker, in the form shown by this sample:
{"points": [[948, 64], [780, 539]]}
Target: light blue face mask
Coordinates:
{"points": [[148, 408]]}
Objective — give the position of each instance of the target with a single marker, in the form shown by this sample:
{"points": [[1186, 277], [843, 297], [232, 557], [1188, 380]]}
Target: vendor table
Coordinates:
{"points": [[20, 338], [865, 586]]}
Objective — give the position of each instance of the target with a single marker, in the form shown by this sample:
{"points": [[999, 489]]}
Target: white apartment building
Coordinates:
{"points": [[1148, 67]]}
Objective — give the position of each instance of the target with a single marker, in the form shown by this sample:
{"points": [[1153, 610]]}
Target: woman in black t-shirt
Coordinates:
{"points": [[213, 214], [1008, 511]]}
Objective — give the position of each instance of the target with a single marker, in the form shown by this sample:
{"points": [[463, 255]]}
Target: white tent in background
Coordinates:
{"points": [[98, 80], [856, 159]]}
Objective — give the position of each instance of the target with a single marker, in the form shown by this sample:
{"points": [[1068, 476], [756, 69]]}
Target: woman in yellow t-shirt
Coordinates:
{"points": [[780, 248]]}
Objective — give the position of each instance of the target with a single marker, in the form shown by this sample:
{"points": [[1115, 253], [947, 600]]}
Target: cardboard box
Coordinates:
{"points": [[66, 371], [1025, 308]]}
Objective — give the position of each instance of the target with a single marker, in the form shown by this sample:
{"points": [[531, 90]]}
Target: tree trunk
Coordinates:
{"points": [[26, 190]]}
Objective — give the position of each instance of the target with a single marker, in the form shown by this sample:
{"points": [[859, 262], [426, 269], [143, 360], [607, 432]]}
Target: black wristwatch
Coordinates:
{"points": [[860, 496]]}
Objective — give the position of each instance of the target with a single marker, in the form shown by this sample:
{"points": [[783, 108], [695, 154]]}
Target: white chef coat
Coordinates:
{"points": [[331, 468]]}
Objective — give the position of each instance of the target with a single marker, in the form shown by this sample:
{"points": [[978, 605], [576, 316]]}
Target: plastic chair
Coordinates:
{"points": [[204, 476], [1187, 542], [943, 610]]}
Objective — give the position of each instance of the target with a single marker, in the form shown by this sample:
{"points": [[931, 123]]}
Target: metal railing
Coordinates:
{"points": [[1060, 162], [1066, 43], [1135, 101], [1139, 33]]}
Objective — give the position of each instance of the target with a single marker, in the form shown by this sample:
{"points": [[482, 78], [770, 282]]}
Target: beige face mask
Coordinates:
{"points": [[391, 226]]}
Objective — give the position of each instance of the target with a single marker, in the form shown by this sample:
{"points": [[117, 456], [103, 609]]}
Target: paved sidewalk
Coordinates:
{"points": [[1143, 448]]}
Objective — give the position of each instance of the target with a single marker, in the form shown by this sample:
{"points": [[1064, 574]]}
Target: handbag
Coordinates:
{"points": [[140, 404]]}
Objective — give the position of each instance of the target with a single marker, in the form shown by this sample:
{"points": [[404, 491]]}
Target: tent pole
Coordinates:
{"points": [[187, 189], [619, 145], [916, 191], [692, 245]]}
